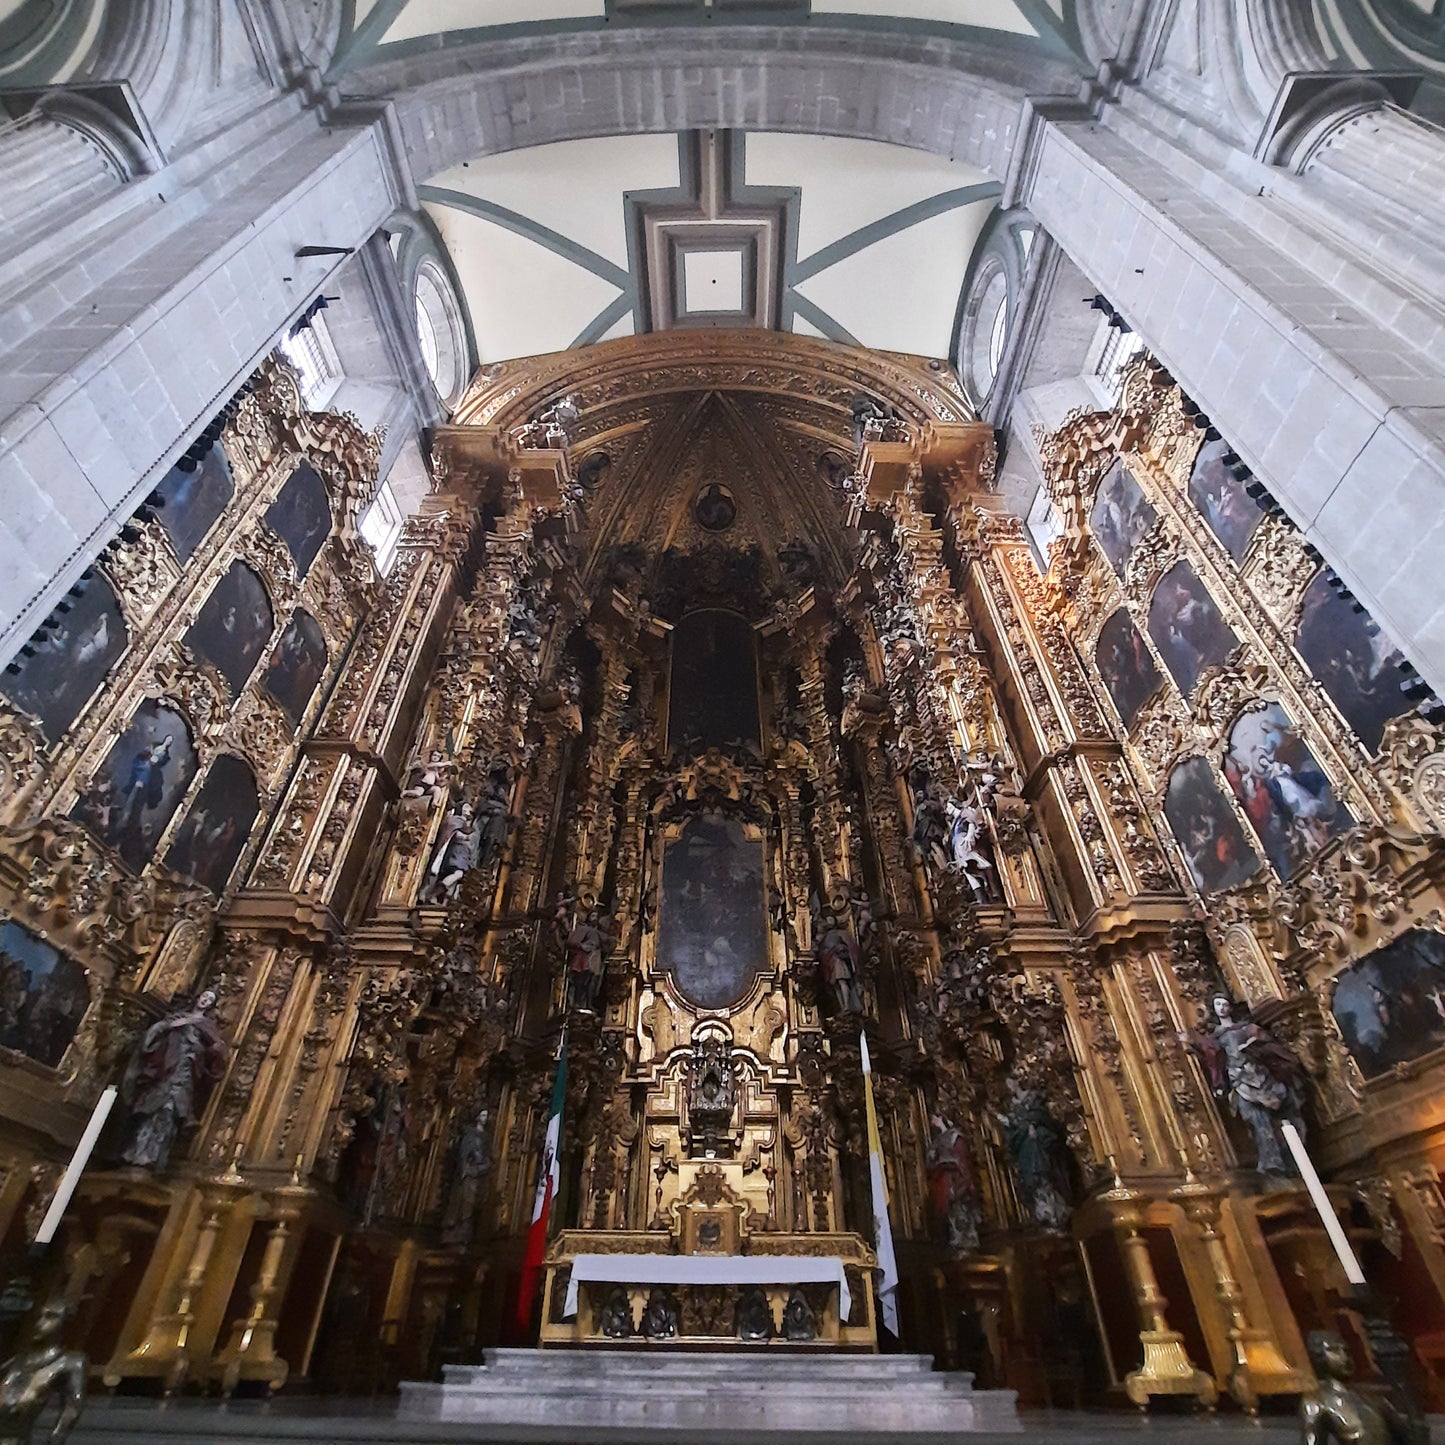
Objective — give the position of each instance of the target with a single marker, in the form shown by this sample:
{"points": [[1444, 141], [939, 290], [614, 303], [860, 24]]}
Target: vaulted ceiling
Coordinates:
{"points": [[566, 244], [378, 30]]}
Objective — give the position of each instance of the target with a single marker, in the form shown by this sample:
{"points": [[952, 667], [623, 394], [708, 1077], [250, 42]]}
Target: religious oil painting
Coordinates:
{"points": [[1126, 665], [1282, 788], [1210, 834], [1222, 501], [210, 841], [1121, 517], [137, 789], [301, 515], [1352, 660], [43, 995], [1187, 628], [714, 698], [297, 664], [234, 626], [712, 930], [189, 502], [1390, 1005], [69, 658]]}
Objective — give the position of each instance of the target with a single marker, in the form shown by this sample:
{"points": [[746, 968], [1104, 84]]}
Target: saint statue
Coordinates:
{"points": [[930, 825], [30, 1379], [170, 1078], [966, 844], [1040, 1158], [952, 1187], [471, 1163], [837, 955], [455, 854], [494, 817], [586, 961], [1259, 1076]]}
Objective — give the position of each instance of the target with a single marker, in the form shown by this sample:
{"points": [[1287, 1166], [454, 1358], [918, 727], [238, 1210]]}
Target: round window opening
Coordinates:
{"points": [[988, 332], [439, 332]]}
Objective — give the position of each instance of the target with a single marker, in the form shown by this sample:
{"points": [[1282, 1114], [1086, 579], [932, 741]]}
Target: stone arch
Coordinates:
{"points": [[947, 97]]}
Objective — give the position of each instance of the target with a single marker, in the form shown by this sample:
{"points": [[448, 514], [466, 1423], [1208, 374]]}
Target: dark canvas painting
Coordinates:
{"points": [[71, 659], [139, 786], [714, 697], [301, 515], [1360, 672], [1209, 833], [1222, 500], [43, 996], [1390, 1005], [214, 832], [1126, 665], [190, 502], [233, 627], [1186, 626], [297, 664], [1285, 794], [1121, 517], [712, 931]]}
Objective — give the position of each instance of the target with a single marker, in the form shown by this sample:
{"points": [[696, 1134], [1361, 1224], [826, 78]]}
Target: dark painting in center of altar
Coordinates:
{"points": [[712, 932], [714, 680]]}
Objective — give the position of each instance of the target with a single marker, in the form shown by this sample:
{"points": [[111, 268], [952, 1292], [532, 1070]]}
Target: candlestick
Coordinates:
{"points": [[1327, 1214], [76, 1167]]}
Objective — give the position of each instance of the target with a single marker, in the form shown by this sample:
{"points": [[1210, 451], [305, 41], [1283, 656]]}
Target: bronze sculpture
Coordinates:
{"points": [[1332, 1411], [31, 1377]]}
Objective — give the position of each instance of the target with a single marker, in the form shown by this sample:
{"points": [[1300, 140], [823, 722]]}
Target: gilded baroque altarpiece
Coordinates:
{"points": [[716, 709]]}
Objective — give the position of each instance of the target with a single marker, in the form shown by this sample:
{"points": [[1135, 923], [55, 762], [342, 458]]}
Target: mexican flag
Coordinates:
{"points": [[882, 1230], [548, 1182]]}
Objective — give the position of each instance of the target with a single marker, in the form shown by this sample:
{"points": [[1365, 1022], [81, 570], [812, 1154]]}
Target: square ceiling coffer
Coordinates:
{"points": [[712, 282], [709, 258]]}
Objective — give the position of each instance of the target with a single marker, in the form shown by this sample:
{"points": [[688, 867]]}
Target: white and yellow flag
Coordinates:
{"points": [[882, 1230]]}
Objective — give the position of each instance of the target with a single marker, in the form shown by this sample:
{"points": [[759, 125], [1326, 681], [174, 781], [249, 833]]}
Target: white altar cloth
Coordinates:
{"points": [[708, 1269]]}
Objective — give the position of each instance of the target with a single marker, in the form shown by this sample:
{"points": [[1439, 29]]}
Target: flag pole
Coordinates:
{"points": [[549, 1178], [882, 1229]]}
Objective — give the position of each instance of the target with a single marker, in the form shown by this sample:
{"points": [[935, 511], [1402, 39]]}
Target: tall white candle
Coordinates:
{"points": [[76, 1167], [1328, 1217]]}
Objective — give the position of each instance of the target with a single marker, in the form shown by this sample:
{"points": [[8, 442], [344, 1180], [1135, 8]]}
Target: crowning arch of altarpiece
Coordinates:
{"points": [[716, 709]]}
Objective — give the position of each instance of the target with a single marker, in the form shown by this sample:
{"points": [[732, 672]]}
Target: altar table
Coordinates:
{"points": [[763, 1269]]}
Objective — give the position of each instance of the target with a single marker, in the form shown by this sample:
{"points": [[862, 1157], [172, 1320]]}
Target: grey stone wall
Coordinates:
{"points": [[1314, 341]]}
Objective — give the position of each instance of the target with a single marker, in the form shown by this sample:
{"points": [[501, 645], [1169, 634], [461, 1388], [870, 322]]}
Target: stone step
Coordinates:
{"points": [[643, 1359], [658, 1393]]}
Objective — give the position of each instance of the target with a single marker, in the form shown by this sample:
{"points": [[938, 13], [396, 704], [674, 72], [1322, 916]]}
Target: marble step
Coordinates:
{"points": [[643, 1359], [661, 1394]]}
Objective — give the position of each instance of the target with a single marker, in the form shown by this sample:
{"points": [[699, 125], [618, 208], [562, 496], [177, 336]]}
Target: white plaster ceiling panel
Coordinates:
{"points": [[900, 293], [803, 327], [712, 280], [524, 298], [573, 188], [434, 17], [848, 184], [986, 14], [627, 326]]}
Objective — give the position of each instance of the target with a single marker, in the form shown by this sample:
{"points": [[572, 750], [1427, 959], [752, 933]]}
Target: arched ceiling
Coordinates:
{"points": [[376, 31], [562, 245]]}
